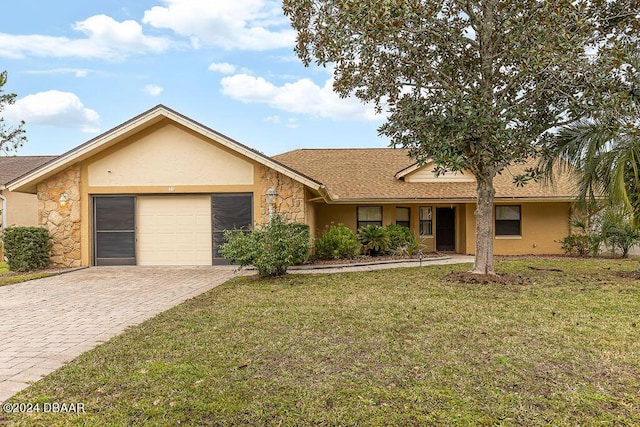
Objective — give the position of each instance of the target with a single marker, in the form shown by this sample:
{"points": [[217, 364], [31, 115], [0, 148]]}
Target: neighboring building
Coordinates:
{"points": [[161, 188], [18, 208]]}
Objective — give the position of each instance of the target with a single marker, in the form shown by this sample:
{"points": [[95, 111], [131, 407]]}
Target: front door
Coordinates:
{"points": [[229, 212], [446, 229]]}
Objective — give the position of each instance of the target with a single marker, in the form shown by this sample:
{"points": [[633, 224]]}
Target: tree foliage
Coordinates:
{"points": [[472, 85], [11, 137], [603, 149]]}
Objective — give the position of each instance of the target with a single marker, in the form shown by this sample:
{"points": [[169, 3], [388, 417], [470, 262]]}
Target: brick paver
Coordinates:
{"points": [[47, 322]]}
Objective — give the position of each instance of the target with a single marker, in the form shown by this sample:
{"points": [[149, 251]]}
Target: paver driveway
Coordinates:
{"points": [[47, 322]]}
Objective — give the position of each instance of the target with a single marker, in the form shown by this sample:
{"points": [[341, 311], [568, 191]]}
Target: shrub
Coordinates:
{"points": [[271, 249], [27, 248], [374, 240], [402, 240], [338, 241], [619, 231], [576, 244]]}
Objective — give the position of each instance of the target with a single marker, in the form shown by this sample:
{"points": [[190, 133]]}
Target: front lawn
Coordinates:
{"points": [[10, 278], [390, 347]]}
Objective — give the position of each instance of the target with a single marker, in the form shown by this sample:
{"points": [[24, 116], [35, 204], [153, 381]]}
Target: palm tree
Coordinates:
{"points": [[603, 151]]}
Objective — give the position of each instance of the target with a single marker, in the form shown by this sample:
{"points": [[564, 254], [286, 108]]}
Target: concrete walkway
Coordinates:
{"points": [[426, 262], [47, 322]]}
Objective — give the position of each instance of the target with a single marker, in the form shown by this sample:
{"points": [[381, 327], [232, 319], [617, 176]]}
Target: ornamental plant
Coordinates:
{"points": [[374, 240], [271, 249], [27, 248], [337, 241]]}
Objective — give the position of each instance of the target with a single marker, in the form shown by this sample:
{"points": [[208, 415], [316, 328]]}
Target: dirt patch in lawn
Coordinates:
{"points": [[629, 274], [485, 279]]}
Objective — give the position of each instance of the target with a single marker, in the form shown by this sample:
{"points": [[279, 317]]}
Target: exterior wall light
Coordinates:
{"points": [[64, 199], [271, 195]]}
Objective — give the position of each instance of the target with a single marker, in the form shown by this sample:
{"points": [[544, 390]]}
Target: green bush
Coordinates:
{"points": [[402, 240], [619, 231], [27, 248], [270, 249], [374, 240], [338, 241], [575, 244]]}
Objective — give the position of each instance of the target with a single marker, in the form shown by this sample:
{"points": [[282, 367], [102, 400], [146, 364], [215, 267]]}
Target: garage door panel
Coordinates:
{"points": [[174, 230]]}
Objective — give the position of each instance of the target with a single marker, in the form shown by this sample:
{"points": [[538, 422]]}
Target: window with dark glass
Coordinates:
{"points": [[508, 221], [369, 215], [426, 222], [403, 217]]}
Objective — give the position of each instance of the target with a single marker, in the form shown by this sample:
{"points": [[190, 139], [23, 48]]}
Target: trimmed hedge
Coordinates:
{"points": [[27, 248]]}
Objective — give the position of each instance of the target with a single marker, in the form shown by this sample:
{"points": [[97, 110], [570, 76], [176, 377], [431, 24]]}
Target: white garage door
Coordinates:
{"points": [[174, 230]]}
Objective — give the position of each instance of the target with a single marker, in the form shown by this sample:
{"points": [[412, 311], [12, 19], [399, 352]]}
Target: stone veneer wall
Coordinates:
{"points": [[290, 202], [63, 222]]}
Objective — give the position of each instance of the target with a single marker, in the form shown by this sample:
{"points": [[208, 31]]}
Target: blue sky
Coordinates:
{"points": [[80, 68]]}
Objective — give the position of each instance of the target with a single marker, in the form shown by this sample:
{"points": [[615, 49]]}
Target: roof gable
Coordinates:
{"points": [[427, 173], [27, 183]]}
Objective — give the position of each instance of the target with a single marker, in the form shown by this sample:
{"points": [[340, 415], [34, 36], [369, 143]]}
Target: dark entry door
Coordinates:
{"points": [[114, 230], [229, 212], [446, 229]]}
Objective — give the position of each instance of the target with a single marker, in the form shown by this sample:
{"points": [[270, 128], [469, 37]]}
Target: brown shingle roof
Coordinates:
{"points": [[12, 167], [369, 174]]}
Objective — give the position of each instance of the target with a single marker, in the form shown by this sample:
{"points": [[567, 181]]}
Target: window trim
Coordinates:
{"points": [[502, 235], [364, 223], [406, 223], [425, 221]]}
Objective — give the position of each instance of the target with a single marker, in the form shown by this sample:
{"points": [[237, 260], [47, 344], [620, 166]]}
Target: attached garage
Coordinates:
{"points": [[160, 189]]}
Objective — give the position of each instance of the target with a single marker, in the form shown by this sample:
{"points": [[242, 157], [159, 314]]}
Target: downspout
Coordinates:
{"points": [[4, 211]]}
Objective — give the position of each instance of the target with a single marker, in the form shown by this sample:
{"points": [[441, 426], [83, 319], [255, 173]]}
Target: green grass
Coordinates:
{"points": [[7, 278], [390, 347]]}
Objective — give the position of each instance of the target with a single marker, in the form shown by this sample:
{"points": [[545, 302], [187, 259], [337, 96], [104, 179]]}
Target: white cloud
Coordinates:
{"points": [[300, 97], [153, 90], [222, 67], [54, 108], [105, 39], [78, 72], [273, 119], [237, 24], [276, 120]]}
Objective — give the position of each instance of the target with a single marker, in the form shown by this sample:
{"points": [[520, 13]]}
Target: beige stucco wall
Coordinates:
{"points": [[169, 156], [542, 225], [22, 208], [63, 222]]}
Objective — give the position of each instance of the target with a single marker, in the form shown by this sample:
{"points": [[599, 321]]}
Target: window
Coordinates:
{"points": [[426, 223], [403, 217], [507, 220], [369, 215]]}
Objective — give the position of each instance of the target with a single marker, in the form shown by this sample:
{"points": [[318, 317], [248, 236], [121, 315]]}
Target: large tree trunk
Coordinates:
{"points": [[484, 226]]}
